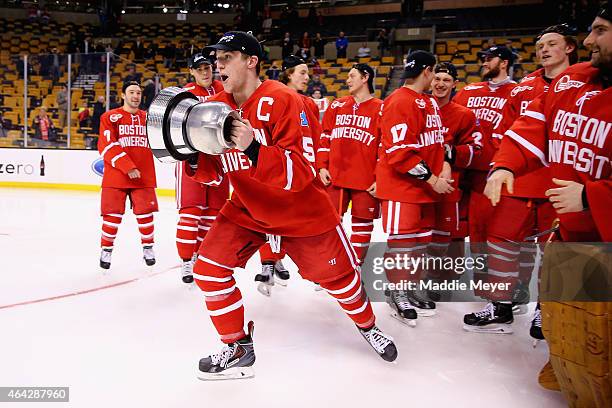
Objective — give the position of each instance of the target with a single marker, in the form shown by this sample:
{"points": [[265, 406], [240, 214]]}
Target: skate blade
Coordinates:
{"points": [[265, 289], [425, 312], [234, 373], [492, 329], [280, 282], [407, 322], [520, 310], [318, 288]]}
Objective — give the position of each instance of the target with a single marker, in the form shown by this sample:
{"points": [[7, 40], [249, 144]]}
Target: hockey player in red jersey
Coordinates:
{"points": [[462, 139], [348, 153], [411, 175], [276, 194], [568, 130], [295, 75], [128, 172], [527, 211], [487, 99], [198, 204]]}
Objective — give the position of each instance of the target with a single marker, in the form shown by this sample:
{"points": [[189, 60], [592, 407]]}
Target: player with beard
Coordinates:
{"points": [[348, 154], [128, 172], [198, 204], [487, 100], [276, 194], [295, 75], [525, 211], [462, 142]]}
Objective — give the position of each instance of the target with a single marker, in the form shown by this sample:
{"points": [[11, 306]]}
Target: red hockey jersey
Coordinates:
{"points": [[568, 128], [350, 142], [462, 131], [312, 115], [202, 93], [124, 146], [487, 101], [534, 183], [281, 195], [411, 132]]}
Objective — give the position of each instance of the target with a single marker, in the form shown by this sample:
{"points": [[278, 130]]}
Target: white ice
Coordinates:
{"points": [[138, 344]]}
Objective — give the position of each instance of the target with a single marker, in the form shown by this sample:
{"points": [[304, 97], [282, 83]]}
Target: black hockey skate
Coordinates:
{"points": [[536, 326], [234, 361], [105, 258], [402, 309], [424, 307], [520, 299], [265, 279], [281, 274], [495, 318], [148, 255], [380, 342]]}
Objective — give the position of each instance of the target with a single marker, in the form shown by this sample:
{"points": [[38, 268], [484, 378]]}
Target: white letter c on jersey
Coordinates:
{"points": [[269, 101]]}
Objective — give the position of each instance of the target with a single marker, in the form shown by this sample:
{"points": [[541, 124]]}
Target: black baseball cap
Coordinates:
{"points": [[129, 83], [198, 59], [366, 69], [416, 62], [241, 41], [292, 61], [447, 68], [500, 51]]}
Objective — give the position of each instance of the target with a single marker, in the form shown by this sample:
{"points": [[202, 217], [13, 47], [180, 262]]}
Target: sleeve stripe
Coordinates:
{"points": [[289, 170], [117, 157], [527, 145], [323, 149], [535, 115], [107, 148], [404, 146], [471, 155]]}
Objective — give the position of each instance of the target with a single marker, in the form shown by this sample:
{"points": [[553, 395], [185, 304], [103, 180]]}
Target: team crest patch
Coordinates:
{"points": [[115, 117], [420, 103], [303, 119], [518, 89], [336, 104], [565, 83]]}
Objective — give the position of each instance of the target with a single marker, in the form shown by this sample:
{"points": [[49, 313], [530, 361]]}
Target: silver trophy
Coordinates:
{"points": [[178, 125]]}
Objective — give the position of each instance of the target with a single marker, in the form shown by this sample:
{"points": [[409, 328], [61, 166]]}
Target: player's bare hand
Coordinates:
{"points": [[134, 174], [242, 134], [495, 183], [372, 189], [441, 185], [446, 171], [325, 176], [567, 198]]}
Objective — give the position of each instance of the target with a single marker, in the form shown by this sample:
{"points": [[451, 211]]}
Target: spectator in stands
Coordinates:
{"points": [[84, 117], [266, 25], [517, 58], [341, 45], [305, 42], [383, 42], [490, 43], [43, 126], [54, 60], [316, 85], [319, 46], [150, 51], [273, 72], [364, 51], [139, 48], [62, 105], [98, 109], [287, 45], [316, 67], [4, 128], [181, 54], [132, 75], [169, 53], [148, 93], [321, 102]]}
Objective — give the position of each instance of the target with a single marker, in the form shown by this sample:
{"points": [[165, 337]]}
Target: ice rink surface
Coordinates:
{"points": [[137, 342]]}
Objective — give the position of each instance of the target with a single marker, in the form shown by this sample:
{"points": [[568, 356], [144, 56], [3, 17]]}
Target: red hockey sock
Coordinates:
{"points": [[145, 226], [206, 219], [350, 295], [360, 238], [110, 226], [266, 254], [187, 231]]}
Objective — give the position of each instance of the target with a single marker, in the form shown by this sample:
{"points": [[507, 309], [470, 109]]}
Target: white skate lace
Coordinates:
{"points": [[400, 298], [267, 270], [148, 253], [537, 318], [377, 339], [187, 268], [221, 357], [105, 256], [489, 310]]}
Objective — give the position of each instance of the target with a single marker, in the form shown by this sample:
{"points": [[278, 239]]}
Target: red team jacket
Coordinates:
{"points": [[461, 130], [487, 102], [568, 130], [281, 195], [124, 146], [534, 183], [202, 93], [312, 115], [350, 142], [411, 131]]}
